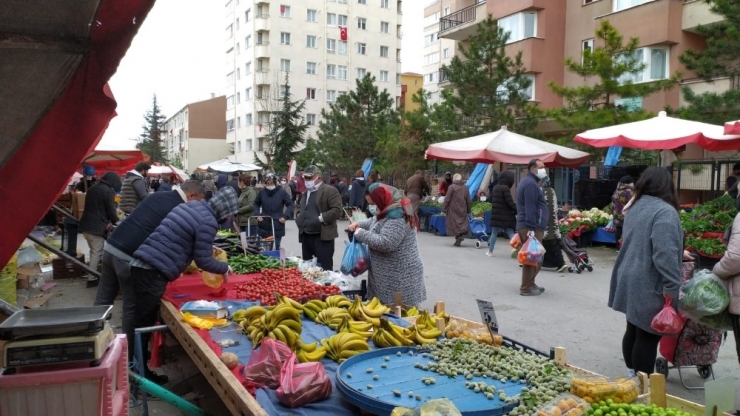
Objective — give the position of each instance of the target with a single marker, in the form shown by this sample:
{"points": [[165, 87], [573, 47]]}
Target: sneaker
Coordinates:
{"points": [[563, 268], [540, 288], [489, 253], [156, 378], [533, 292]]}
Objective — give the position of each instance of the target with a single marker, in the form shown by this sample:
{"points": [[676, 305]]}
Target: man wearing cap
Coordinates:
{"points": [[319, 209]]}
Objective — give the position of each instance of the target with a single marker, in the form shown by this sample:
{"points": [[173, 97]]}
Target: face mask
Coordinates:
{"points": [[310, 185], [541, 173], [373, 209], [270, 187]]}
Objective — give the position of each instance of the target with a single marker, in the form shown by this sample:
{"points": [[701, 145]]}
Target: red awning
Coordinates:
{"points": [[57, 103]]}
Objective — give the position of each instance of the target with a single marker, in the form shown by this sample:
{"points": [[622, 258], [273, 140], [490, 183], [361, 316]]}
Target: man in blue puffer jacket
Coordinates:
{"points": [[186, 234]]}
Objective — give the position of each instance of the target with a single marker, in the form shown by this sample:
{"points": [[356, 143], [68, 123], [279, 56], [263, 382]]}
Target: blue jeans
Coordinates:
{"points": [[494, 235]]}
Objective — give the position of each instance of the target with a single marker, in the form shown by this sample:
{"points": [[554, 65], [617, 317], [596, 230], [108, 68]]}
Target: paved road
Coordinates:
{"points": [[572, 313]]}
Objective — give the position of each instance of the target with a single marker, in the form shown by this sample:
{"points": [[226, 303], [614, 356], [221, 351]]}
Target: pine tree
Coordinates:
{"points": [[490, 86], [721, 58], [310, 155], [350, 131], [150, 141], [286, 132]]}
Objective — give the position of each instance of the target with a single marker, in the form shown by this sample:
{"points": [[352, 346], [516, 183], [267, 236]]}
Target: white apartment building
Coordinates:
{"points": [[322, 45], [437, 51]]}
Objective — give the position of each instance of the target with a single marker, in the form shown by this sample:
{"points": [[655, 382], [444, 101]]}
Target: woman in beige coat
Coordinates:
{"points": [[728, 269]]}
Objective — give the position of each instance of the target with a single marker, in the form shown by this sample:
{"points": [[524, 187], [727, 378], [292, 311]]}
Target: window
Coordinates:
{"points": [[446, 52], [331, 45], [311, 15], [342, 72], [431, 58], [331, 96], [247, 15], [342, 47], [398, 55], [431, 78], [361, 72], [385, 4], [230, 125], [230, 78], [383, 51], [261, 144], [586, 45], [238, 98], [248, 119], [626, 4], [248, 94], [331, 71], [431, 39], [361, 1], [284, 38], [248, 68], [446, 11], [238, 48], [237, 23], [238, 144], [238, 73], [311, 68], [262, 38], [248, 145], [310, 93], [331, 19], [285, 11], [262, 66], [310, 41], [398, 79], [432, 19], [655, 61], [385, 27], [238, 122], [362, 23], [520, 26], [229, 31], [248, 42], [284, 90], [342, 20], [230, 101], [383, 76], [361, 48], [311, 119], [285, 65], [528, 92]]}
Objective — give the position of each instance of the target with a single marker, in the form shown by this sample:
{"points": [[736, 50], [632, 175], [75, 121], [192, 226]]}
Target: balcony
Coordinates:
{"points": [[262, 50], [695, 13], [699, 86], [461, 24], [262, 22], [444, 79], [652, 22]]}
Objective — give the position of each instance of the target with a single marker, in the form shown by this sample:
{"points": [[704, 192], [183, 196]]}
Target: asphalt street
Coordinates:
{"points": [[572, 313]]}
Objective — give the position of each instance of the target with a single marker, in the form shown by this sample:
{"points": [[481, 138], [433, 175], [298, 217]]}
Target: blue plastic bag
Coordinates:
{"points": [[356, 259]]}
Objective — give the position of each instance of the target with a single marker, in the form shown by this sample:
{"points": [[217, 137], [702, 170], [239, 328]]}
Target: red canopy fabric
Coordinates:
{"points": [[732, 127], [32, 178], [119, 161]]}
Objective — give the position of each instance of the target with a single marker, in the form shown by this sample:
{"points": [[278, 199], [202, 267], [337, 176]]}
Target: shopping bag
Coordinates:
{"points": [[515, 242], [302, 383], [704, 295], [264, 365], [667, 321], [356, 259], [610, 228], [532, 252]]}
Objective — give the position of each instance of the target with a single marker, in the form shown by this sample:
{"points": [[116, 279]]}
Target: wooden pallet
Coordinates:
{"points": [[228, 387]]}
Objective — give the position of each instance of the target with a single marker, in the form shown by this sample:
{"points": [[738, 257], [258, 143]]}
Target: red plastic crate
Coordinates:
{"points": [[72, 389]]}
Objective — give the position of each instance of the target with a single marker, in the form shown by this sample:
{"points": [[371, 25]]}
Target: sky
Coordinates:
{"points": [[179, 55]]}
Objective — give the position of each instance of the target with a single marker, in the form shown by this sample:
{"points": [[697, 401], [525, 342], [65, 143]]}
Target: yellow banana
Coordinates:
{"points": [[419, 339], [257, 339], [295, 326], [290, 302], [316, 305], [338, 301], [312, 356], [413, 311], [344, 325], [252, 312], [396, 332], [432, 333], [310, 313], [360, 326], [374, 302], [290, 336], [309, 347], [278, 334]]}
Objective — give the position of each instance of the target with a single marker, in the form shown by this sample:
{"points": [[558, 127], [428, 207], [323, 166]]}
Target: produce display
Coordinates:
{"points": [[594, 389], [254, 263], [344, 345], [583, 221], [478, 208], [705, 226], [457, 329], [564, 405], [610, 408], [283, 323], [286, 282]]}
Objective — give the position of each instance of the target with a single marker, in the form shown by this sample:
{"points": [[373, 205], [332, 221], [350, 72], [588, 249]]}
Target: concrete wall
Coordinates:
{"points": [[200, 151]]}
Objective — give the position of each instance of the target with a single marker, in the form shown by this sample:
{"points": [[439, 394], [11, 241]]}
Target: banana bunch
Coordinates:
{"points": [[429, 321], [310, 352], [338, 301], [282, 323], [391, 335], [248, 314], [290, 302], [312, 308], [355, 327], [368, 313], [412, 311], [332, 317], [344, 345], [423, 336]]}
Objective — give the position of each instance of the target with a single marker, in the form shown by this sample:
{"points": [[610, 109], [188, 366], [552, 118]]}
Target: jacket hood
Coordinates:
{"points": [[506, 178], [360, 181], [133, 173], [225, 203], [113, 180]]}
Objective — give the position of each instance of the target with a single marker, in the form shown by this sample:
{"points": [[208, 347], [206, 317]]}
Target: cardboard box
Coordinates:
{"points": [[78, 204], [22, 282]]}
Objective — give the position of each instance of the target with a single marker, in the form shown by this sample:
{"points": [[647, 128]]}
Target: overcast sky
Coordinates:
{"points": [[179, 55]]}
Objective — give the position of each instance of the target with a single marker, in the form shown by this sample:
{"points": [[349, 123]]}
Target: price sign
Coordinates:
{"points": [[243, 237], [488, 315]]}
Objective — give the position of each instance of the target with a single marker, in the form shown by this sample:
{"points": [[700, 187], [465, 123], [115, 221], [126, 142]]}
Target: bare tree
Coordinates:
{"points": [[269, 84]]}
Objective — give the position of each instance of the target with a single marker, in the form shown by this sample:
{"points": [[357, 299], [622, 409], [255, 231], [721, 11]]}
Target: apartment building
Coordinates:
{"points": [[197, 133], [411, 82], [323, 46], [548, 31], [438, 52]]}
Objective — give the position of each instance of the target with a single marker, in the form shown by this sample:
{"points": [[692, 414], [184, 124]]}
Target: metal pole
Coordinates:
{"points": [[139, 355], [164, 394], [7, 309], [63, 255]]}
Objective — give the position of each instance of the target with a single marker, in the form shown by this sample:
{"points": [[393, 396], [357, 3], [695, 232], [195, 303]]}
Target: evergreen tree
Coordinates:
{"points": [[310, 155], [609, 72], [150, 141], [286, 131], [490, 86], [350, 131], [721, 58]]}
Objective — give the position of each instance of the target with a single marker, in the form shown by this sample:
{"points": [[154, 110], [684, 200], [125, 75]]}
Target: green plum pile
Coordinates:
{"points": [[609, 408]]}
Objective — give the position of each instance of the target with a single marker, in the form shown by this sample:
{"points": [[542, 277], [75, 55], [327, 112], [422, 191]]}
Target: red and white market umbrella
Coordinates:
{"points": [[661, 133], [732, 127]]}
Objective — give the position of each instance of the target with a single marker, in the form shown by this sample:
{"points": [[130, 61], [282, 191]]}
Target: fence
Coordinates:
{"points": [[708, 177]]}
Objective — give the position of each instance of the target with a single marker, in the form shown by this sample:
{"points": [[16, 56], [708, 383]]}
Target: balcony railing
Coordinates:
{"points": [[458, 18], [443, 75]]}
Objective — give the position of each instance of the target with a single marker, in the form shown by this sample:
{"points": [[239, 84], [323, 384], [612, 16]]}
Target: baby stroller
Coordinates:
{"points": [[578, 257], [478, 231], [696, 346]]}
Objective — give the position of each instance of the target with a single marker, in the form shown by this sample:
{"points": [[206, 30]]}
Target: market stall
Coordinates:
{"points": [[228, 166], [705, 225]]}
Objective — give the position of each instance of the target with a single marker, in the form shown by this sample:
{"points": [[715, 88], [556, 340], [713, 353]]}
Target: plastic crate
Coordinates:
{"points": [[71, 389], [362, 293]]}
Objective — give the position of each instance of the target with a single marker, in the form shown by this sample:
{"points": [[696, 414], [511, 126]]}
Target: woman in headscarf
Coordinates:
{"points": [[457, 208], [395, 263]]}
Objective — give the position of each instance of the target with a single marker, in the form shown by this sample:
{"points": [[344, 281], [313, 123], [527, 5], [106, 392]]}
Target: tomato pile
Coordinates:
{"points": [[287, 282]]}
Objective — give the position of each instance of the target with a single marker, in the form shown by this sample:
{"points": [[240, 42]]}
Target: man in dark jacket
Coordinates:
{"points": [[531, 219], [503, 210], [234, 183], [320, 208], [416, 188], [99, 214], [134, 188], [186, 234], [357, 192], [272, 201]]}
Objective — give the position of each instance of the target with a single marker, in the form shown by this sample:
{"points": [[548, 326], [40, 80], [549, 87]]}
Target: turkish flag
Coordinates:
{"points": [[343, 32], [282, 9]]}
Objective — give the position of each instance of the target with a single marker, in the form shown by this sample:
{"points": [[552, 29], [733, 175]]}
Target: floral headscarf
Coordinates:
{"points": [[392, 204]]}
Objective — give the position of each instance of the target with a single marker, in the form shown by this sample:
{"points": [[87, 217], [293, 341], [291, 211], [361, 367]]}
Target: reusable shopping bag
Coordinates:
{"points": [[667, 321], [302, 383], [356, 259]]}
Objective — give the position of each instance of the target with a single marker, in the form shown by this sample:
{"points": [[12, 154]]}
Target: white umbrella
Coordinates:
{"points": [[227, 166], [660, 133], [507, 147], [168, 170]]}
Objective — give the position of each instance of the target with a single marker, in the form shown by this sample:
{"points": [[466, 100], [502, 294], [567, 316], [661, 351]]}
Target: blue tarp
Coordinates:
{"points": [[367, 166], [476, 178], [612, 156]]}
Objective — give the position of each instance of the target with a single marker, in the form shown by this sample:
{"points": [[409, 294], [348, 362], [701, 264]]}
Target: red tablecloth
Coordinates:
{"points": [[191, 287]]}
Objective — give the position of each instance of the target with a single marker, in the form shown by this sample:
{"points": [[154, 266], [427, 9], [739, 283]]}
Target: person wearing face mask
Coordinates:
{"points": [[531, 219], [319, 209], [246, 205], [273, 202]]}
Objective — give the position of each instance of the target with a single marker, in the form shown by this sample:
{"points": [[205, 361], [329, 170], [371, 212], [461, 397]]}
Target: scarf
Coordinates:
{"points": [[392, 204]]}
